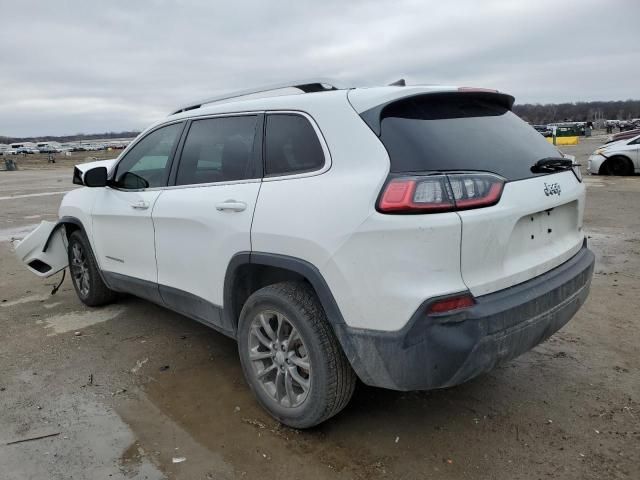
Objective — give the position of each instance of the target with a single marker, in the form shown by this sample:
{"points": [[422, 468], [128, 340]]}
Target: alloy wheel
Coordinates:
{"points": [[80, 269], [279, 358]]}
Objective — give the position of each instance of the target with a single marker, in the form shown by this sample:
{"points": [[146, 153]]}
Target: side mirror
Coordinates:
{"points": [[96, 177]]}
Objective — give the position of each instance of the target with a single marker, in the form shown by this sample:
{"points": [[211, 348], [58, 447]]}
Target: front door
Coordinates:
{"points": [[121, 215]]}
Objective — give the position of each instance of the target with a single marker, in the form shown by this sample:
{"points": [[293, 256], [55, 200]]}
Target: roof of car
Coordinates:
{"points": [[309, 95], [362, 98]]}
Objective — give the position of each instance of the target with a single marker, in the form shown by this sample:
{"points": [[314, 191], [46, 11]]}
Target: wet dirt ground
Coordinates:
{"points": [[141, 387]]}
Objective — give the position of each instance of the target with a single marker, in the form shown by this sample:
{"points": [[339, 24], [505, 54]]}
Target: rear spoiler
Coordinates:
{"points": [[373, 117]]}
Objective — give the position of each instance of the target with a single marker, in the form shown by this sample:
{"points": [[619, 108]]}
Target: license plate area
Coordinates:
{"points": [[540, 230]]}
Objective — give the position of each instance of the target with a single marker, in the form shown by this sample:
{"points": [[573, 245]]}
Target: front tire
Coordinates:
{"points": [[618, 166], [85, 276], [290, 356]]}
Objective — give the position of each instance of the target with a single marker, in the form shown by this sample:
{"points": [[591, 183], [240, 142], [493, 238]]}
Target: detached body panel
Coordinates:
{"points": [[44, 251]]}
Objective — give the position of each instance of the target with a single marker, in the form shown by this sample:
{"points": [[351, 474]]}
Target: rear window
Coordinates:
{"points": [[460, 132]]}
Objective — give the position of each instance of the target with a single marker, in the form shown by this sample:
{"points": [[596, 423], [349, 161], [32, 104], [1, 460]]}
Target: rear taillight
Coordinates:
{"points": [[440, 193], [450, 304]]}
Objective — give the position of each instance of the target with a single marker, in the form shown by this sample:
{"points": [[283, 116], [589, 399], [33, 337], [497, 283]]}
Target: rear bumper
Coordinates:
{"points": [[445, 350]]}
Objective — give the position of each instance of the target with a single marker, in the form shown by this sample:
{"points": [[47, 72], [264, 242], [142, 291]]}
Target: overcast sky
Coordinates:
{"points": [[92, 66]]}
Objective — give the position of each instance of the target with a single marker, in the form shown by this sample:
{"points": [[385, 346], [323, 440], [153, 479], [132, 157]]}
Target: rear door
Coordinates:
{"points": [[537, 223], [205, 218]]}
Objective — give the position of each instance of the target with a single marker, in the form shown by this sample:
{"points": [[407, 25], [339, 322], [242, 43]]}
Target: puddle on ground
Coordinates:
{"points": [[89, 436], [213, 406], [165, 440], [68, 322]]}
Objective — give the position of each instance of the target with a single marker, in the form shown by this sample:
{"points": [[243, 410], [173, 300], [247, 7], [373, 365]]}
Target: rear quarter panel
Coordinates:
{"points": [[379, 268]]}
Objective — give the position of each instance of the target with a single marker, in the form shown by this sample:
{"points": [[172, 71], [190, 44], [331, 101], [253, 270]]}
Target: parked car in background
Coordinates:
{"points": [[617, 158], [413, 237], [24, 147], [9, 151], [544, 130], [29, 150], [49, 147]]}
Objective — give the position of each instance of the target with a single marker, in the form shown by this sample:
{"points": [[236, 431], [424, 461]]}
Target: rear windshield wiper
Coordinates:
{"points": [[553, 164]]}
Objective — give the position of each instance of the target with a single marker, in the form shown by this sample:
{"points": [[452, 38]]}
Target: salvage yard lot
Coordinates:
{"points": [[141, 387]]}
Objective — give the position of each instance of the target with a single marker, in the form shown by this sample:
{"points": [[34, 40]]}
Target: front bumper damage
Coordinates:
{"points": [[44, 251]]}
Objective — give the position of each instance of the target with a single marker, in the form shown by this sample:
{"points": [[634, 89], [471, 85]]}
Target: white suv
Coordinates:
{"points": [[410, 236]]}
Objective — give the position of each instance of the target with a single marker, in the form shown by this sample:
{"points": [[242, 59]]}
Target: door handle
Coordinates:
{"points": [[141, 205], [231, 205]]}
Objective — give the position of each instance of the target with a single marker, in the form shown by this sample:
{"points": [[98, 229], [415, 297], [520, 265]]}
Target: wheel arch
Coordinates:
{"points": [[604, 166], [250, 271], [70, 224]]}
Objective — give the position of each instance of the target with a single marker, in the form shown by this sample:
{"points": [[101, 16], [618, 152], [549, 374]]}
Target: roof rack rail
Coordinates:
{"points": [[307, 86]]}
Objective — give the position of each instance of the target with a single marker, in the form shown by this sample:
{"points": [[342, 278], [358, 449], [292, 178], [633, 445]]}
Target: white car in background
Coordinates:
{"points": [[617, 158], [410, 236]]}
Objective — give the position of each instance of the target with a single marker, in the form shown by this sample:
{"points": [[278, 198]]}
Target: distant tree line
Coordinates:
{"points": [[578, 112], [70, 138]]}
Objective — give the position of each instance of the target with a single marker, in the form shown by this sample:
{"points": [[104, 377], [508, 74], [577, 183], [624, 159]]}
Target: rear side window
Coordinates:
{"points": [[291, 145], [218, 150], [439, 132]]}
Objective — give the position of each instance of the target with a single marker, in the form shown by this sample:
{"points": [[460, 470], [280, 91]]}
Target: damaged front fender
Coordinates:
{"points": [[44, 251]]}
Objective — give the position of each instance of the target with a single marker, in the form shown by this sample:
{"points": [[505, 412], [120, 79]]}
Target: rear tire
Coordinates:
{"points": [[85, 275], [618, 166], [291, 357]]}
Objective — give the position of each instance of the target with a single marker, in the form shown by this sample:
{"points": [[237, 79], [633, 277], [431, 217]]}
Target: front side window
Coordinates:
{"points": [[146, 165], [218, 150], [291, 145]]}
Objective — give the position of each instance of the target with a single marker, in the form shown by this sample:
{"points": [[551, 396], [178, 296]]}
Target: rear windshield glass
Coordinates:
{"points": [[460, 132]]}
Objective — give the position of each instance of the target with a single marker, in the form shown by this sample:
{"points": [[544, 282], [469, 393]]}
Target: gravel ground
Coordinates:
{"points": [[142, 388]]}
